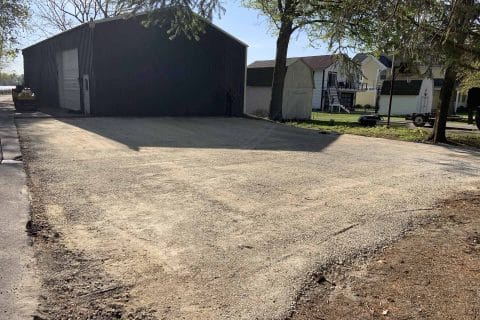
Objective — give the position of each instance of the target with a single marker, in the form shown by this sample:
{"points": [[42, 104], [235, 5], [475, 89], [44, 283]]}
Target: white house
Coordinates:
{"points": [[297, 93], [334, 89], [373, 72]]}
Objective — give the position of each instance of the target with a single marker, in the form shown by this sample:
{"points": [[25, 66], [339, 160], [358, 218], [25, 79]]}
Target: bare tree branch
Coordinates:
{"points": [[61, 15]]}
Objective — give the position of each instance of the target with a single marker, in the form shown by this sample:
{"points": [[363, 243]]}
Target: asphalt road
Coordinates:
{"points": [[224, 218], [18, 282]]}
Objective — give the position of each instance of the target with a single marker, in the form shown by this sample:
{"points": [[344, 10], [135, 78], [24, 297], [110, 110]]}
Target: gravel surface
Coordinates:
{"points": [[219, 218]]}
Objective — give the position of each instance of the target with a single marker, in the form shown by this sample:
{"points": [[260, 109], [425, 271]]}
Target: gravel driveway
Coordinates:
{"points": [[218, 218]]}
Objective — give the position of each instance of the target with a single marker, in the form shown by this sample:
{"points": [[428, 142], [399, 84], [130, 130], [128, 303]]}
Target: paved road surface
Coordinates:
{"points": [[18, 285]]}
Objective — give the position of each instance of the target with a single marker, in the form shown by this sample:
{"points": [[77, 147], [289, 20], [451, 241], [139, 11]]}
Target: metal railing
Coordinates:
{"points": [[341, 85]]}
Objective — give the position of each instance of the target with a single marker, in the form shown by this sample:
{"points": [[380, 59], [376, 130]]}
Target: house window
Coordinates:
{"points": [[383, 75]]}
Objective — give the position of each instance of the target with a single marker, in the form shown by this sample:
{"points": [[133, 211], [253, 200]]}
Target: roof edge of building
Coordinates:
{"points": [[126, 17], [55, 36]]}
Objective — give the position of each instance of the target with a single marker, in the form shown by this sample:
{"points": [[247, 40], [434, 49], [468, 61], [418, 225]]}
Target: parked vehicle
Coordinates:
{"points": [[420, 119], [424, 109], [24, 98]]}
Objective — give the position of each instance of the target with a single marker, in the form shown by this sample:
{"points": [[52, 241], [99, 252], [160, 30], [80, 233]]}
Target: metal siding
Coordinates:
{"points": [[144, 73], [41, 63]]}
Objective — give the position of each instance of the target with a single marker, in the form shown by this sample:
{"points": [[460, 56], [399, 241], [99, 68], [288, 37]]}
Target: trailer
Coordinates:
{"points": [[421, 119], [424, 110]]}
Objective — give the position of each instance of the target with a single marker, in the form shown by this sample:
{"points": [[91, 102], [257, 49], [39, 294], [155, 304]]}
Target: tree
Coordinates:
{"points": [[179, 17], [428, 32], [463, 15], [320, 20], [13, 15], [10, 79], [62, 15], [285, 16]]}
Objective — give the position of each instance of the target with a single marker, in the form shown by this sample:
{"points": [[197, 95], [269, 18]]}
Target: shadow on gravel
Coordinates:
{"points": [[208, 132]]}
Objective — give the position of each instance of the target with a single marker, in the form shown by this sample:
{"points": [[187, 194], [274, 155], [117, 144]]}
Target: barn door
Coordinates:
{"points": [[68, 76]]}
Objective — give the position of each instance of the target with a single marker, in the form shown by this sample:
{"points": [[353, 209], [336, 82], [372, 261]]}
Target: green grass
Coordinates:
{"points": [[348, 124], [342, 127], [466, 139], [343, 117]]}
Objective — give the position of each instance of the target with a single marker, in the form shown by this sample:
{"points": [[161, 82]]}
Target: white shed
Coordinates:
{"points": [[297, 94], [415, 96]]}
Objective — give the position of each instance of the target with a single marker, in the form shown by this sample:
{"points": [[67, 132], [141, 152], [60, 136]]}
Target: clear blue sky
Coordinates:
{"points": [[245, 24]]}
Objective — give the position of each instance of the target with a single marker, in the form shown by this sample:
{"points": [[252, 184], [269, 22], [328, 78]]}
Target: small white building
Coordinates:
{"points": [[404, 97], [417, 92], [297, 93]]}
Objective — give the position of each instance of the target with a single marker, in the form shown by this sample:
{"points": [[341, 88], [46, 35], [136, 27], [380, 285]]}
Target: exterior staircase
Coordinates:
{"points": [[334, 100]]}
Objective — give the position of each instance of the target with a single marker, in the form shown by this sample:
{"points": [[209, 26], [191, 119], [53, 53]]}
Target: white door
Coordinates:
{"points": [[69, 85], [86, 93]]}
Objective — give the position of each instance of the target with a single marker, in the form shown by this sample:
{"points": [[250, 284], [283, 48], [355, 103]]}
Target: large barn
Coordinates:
{"points": [[119, 67]]}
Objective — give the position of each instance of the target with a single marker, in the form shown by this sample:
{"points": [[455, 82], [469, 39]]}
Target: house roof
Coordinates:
{"points": [[320, 62], [260, 77], [270, 63], [402, 87], [126, 17], [386, 61], [359, 57], [314, 62], [437, 83], [260, 73]]}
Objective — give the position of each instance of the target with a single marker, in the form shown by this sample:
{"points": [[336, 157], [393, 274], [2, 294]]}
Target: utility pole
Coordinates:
{"points": [[391, 91]]}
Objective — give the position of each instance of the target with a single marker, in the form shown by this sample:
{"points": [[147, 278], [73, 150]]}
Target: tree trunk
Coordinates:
{"points": [[439, 134], [280, 71]]}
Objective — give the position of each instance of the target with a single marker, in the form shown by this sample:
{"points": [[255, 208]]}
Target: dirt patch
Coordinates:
{"points": [[73, 284], [433, 273]]}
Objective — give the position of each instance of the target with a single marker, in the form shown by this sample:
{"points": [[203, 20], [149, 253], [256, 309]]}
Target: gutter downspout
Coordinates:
{"points": [[245, 84], [321, 93]]}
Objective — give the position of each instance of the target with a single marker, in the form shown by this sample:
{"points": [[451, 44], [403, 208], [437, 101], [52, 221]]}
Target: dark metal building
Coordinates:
{"points": [[118, 67]]}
